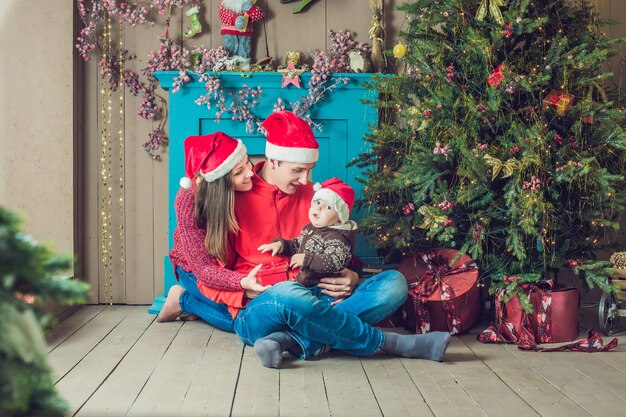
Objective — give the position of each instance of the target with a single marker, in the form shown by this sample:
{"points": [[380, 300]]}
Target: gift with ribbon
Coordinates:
{"points": [[559, 100], [274, 273], [554, 319], [443, 296]]}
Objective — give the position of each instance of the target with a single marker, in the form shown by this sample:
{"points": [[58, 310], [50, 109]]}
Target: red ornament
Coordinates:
{"points": [[496, 77]]}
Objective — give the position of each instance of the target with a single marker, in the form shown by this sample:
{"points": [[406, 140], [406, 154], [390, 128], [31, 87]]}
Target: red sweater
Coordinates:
{"points": [[264, 213], [228, 18]]}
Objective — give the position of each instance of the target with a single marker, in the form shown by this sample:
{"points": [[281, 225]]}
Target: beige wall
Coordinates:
{"points": [[37, 117], [37, 110]]}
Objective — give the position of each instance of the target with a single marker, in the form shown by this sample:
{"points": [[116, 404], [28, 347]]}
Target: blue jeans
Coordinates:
{"points": [[307, 314], [193, 301]]}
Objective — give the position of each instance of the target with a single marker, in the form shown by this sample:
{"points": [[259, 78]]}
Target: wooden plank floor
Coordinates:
{"points": [[117, 361]]}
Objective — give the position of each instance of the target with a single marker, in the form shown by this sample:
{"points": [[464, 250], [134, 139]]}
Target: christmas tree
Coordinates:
{"points": [[28, 275], [499, 137]]}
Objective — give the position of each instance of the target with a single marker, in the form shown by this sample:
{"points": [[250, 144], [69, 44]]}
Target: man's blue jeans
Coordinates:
{"points": [[308, 315]]}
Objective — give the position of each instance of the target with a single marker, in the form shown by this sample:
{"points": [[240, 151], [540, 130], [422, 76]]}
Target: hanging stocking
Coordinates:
{"points": [[195, 27]]}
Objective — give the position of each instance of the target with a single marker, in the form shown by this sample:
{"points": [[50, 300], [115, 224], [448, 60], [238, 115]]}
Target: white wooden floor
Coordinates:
{"points": [[117, 361]]}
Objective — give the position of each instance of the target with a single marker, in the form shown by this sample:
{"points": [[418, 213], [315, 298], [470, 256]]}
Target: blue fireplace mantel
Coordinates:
{"points": [[343, 115]]}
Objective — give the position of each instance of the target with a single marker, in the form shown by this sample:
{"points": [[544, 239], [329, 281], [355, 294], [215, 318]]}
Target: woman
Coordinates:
{"points": [[216, 166], [272, 318]]}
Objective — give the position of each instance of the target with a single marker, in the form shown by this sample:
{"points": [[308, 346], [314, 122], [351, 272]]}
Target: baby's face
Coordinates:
{"points": [[322, 214]]}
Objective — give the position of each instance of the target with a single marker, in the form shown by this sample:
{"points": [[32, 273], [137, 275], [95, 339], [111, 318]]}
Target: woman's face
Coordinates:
{"points": [[241, 175]]}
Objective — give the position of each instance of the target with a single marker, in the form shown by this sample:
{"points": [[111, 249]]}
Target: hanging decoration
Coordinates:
{"points": [[195, 27], [377, 35], [400, 50], [122, 171], [106, 200]]}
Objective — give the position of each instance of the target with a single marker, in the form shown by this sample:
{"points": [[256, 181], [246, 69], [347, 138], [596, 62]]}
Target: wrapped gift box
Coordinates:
{"points": [[274, 273], [559, 100], [554, 317], [462, 277]]}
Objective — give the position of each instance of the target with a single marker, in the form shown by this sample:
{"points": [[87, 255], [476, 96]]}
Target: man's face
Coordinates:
{"points": [[288, 176]]}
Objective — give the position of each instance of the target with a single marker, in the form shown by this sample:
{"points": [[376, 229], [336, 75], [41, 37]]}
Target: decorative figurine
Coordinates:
{"points": [[236, 16], [359, 61]]}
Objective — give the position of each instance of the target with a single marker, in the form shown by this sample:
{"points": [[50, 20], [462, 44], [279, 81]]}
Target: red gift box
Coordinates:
{"points": [[555, 314], [456, 308], [273, 273]]}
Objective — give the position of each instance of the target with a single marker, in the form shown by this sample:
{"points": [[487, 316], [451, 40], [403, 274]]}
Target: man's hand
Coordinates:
{"points": [[340, 287], [275, 247], [251, 284], [297, 260]]}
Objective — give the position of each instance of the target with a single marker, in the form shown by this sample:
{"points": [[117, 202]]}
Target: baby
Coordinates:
{"points": [[324, 246]]}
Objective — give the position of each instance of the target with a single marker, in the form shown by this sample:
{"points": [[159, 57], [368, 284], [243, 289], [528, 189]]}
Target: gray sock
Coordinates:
{"points": [[430, 346], [270, 348]]}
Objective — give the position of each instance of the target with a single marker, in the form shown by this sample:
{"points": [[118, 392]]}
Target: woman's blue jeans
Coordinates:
{"points": [[307, 314], [193, 301]]}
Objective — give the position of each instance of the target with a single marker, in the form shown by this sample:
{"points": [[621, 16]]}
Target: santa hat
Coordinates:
{"points": [[290, 139], [212, 156], [337, 193]]}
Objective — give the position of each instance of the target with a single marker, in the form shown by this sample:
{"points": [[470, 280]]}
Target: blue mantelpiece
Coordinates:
{"points": [[343, 116]]}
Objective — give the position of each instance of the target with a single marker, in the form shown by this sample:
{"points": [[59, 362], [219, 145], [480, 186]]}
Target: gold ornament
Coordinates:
{"points": [[399, 51], [618, 260]]}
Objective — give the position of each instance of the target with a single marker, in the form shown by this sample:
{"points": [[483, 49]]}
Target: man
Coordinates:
{"points": [[277, 206]]}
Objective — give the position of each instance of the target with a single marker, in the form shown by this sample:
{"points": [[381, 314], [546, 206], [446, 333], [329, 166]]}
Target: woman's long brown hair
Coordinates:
{"points": [[215, 212]]}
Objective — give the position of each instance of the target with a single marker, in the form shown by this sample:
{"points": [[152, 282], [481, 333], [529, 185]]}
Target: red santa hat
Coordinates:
{"points": [[337, 193], [212, 156], [290, 139]]}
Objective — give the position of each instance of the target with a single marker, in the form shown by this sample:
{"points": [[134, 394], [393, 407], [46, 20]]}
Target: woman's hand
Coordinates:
{"points": [[340, 287], [275, 247], [251, 284], [297, 260]]}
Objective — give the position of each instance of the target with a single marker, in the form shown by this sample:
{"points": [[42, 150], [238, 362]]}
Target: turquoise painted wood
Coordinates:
{"points": [[344, 119]]}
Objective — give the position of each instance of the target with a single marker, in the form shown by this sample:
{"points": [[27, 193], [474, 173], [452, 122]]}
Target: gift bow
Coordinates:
{"points": [[494, 8], [437, 269], [508, 168]]}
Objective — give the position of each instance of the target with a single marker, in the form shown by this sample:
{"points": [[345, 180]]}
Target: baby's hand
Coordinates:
{"points": [[297, 260], [275, 247]]}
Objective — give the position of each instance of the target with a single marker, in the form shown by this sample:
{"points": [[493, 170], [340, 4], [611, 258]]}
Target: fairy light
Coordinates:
{"points": [[104, 161], [122, 237], [109, 190]]}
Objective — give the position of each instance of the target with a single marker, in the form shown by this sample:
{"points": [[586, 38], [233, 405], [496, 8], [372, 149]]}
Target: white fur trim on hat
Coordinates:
{"points": [[333, 198], [185, 182], [228, 164], [289, 154]]}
